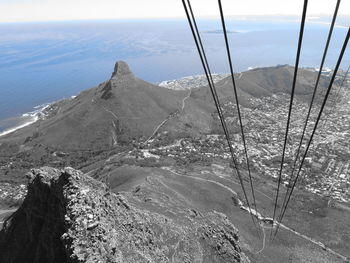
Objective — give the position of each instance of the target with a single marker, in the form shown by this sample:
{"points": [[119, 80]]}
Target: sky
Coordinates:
{"points": [[53, 10]]}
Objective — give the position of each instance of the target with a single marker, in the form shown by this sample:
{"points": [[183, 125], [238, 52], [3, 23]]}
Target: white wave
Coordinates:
{"points": [[34, 119], [39, 110], [33, 116], [42, 106]]}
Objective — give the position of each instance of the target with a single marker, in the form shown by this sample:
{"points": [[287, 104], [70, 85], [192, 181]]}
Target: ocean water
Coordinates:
{"points": [[44, 62]]}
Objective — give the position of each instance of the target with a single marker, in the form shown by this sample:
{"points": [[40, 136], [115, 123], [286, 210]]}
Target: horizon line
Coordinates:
{"points": [[241, 16]]}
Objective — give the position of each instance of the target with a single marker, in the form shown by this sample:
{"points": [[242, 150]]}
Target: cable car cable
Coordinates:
{"points": [[237, 102], [315, 126], [206, 68], [312, 98], [301, 33]]}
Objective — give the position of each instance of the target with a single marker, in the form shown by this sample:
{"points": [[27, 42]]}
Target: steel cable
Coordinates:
{"points": [[315, 126], [301, 33], [237, 102], [312, 98], [204, 61]]}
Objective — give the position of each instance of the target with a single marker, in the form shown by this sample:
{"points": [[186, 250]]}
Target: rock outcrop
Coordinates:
{"points": [[121, 68], [69, 217]]}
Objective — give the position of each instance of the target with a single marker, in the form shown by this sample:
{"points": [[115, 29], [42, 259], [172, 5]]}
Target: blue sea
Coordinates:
{"points": [[45, 62]]}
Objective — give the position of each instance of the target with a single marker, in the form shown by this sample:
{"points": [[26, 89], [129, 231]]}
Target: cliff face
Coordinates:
{"points": [[69, 217], [33, 233]]}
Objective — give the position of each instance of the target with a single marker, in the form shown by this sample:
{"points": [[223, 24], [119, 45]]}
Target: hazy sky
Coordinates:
{"points": [[45, 10]]}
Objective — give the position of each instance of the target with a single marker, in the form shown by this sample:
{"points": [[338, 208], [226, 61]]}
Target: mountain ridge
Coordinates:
{"points": [[69, 217], [126, 110]]}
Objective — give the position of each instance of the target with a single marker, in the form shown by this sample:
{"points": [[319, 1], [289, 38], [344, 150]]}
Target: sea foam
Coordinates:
{"points": [[27, 119]]}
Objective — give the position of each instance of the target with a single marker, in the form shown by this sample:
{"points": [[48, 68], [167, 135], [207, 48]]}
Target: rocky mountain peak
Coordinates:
{"points": [[121, 69]]}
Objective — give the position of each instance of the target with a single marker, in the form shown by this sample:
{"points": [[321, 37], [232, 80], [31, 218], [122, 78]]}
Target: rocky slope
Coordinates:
{"points": [[122, 108], [69, 217]]}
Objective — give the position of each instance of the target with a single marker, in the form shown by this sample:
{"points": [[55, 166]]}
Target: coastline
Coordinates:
{"points": [[8, 131], [38, 112], [28, 118], [25, 119], [184, 83]]}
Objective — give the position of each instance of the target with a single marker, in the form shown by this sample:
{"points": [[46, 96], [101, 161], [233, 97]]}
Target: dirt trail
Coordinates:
{"points": [[259, 216], [156, 129], [184, 100], [169, 117]]}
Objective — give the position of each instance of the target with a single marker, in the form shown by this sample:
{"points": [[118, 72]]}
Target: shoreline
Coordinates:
{"points": [[38, 113], [27, 118], [31, 117], [11, 130]]}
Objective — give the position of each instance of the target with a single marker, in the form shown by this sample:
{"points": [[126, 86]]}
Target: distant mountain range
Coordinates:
{"points": [[219, 31], [126, 107]]}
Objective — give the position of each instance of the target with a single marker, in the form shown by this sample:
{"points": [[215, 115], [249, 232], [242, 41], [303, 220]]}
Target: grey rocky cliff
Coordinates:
{"points": [[121, 68], [68, 216]]}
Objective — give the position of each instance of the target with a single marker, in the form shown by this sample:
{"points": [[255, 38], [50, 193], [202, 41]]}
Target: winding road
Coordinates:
{"points": [[156, 129], [164, 121]]}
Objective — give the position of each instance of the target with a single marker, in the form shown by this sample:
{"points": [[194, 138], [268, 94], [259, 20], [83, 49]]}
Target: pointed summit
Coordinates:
{"points": [[121, 68]]}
